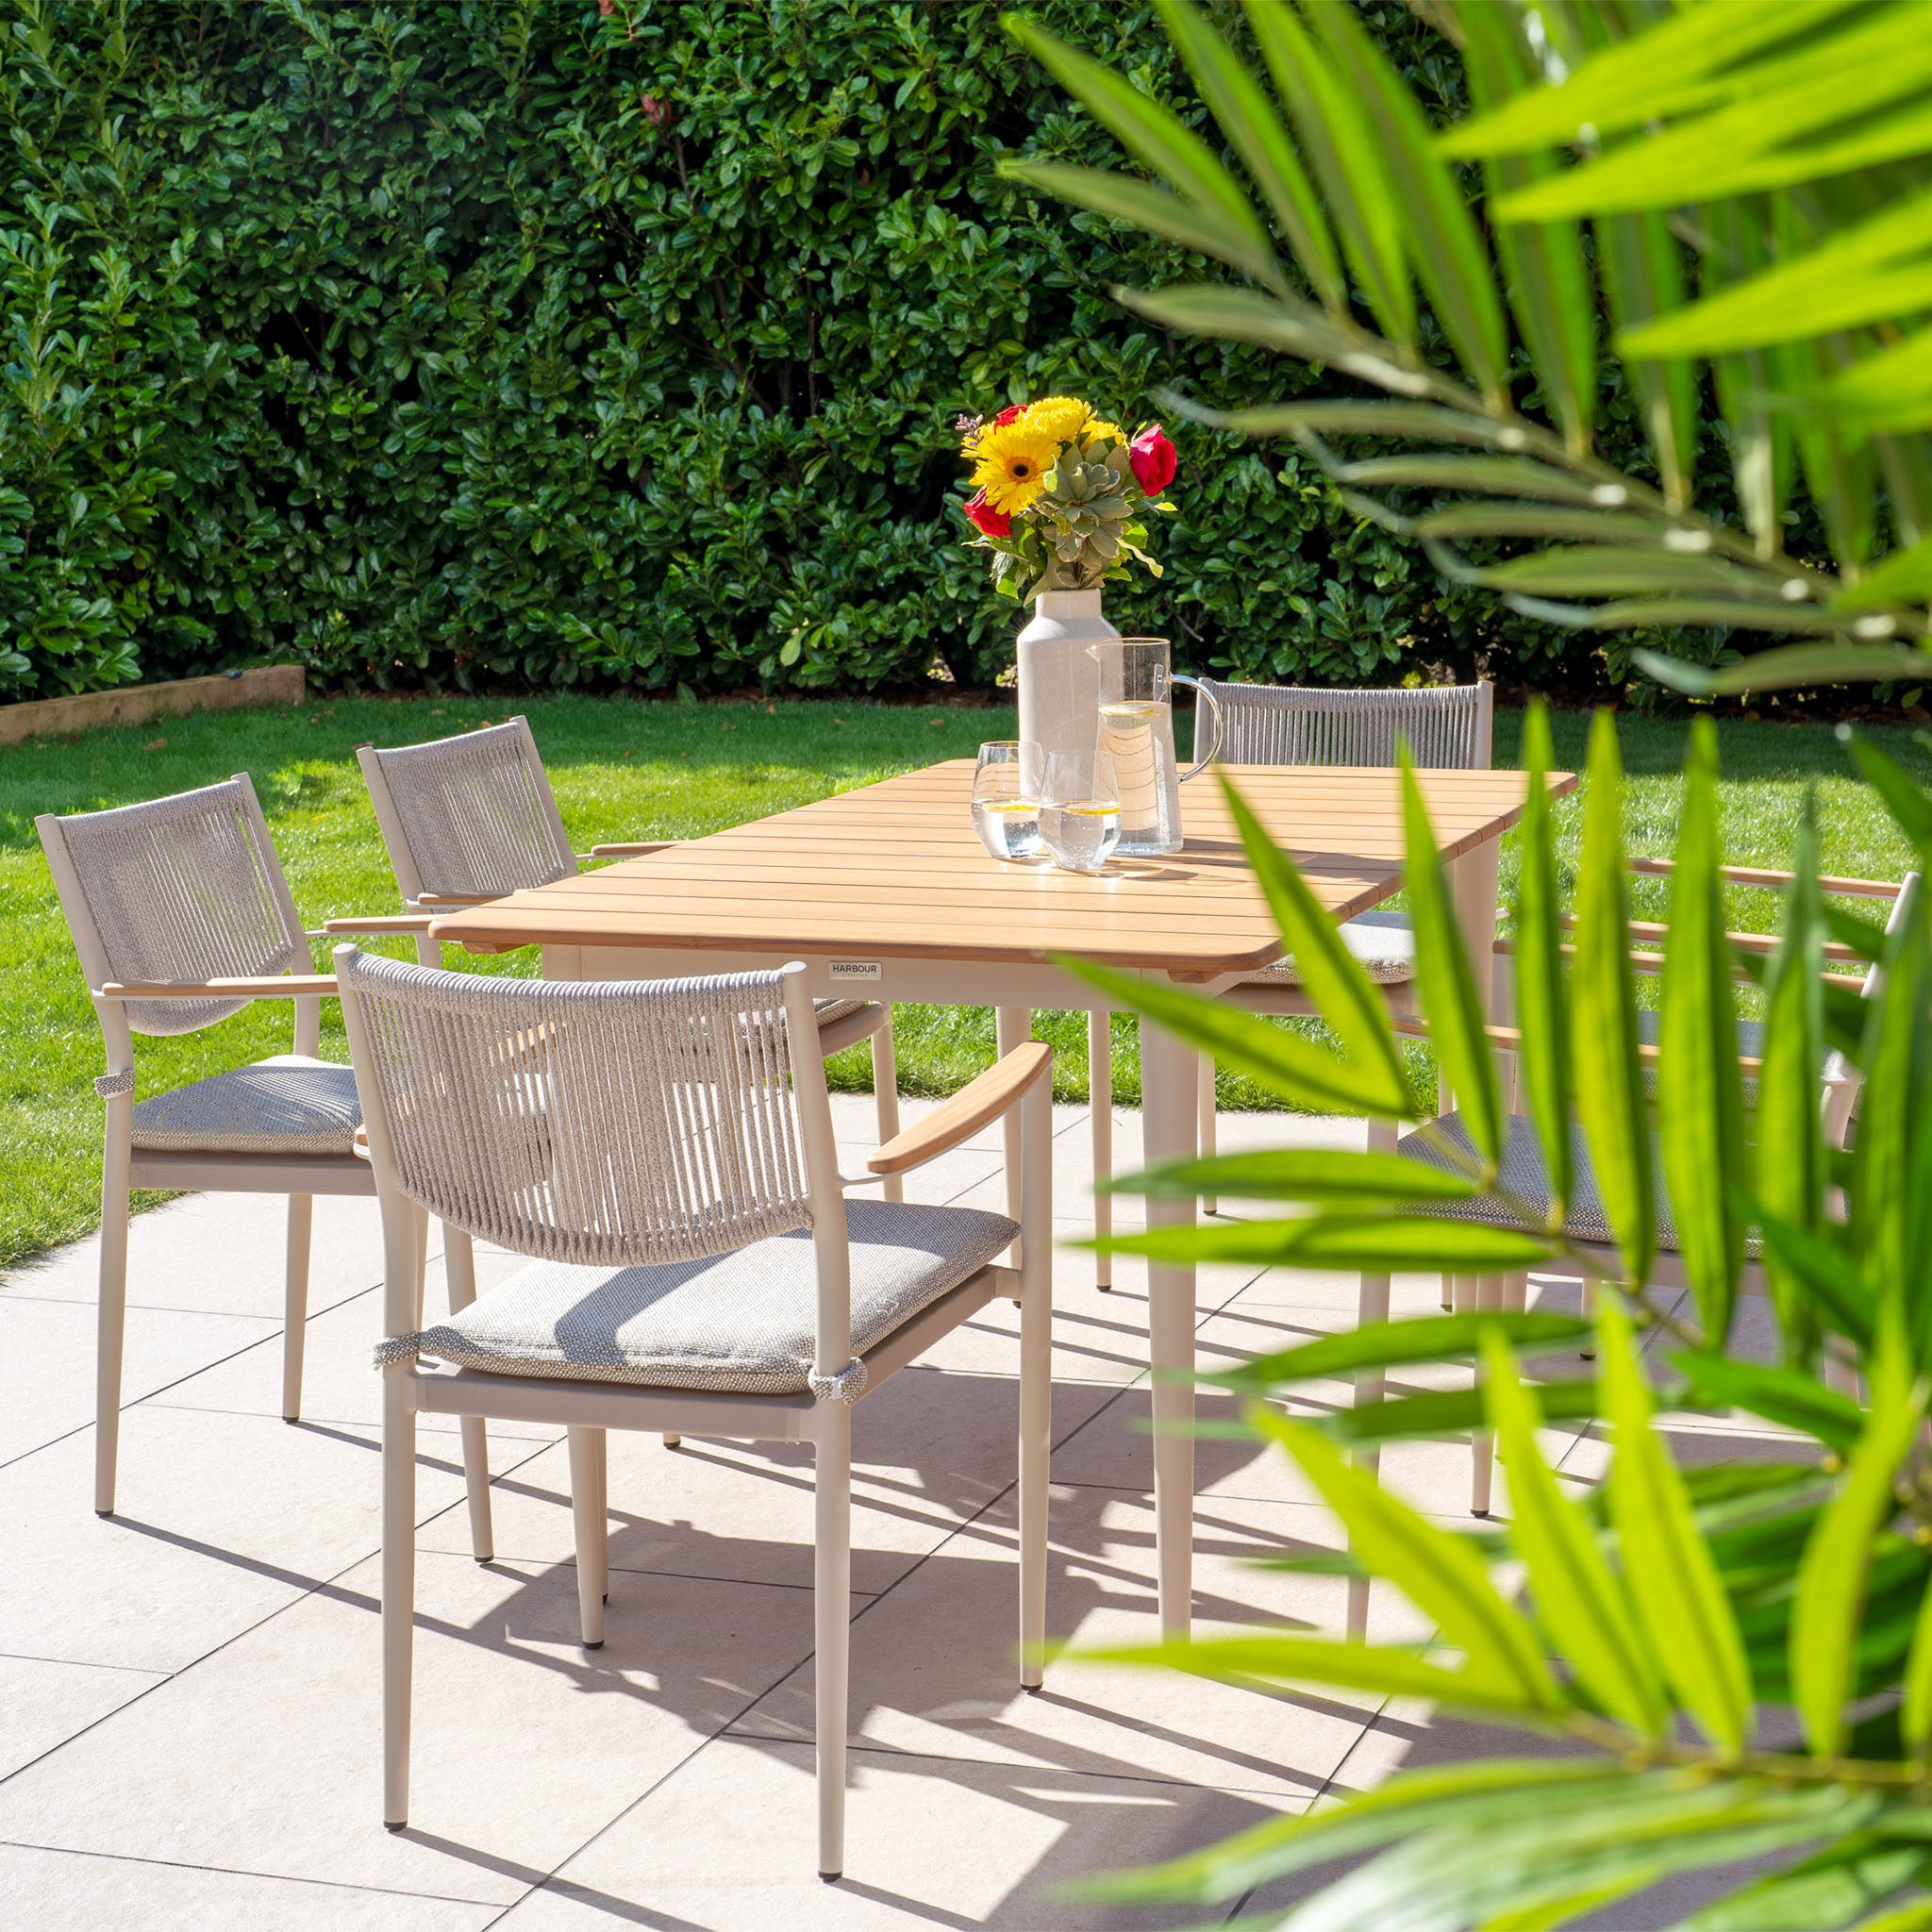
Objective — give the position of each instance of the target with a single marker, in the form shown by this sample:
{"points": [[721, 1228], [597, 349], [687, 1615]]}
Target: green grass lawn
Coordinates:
{"points": [[628, 769]]}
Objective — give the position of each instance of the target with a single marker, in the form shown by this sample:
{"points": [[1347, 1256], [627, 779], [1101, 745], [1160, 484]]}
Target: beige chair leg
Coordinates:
{"points": [[1490, 1295], [592, 1521], [673, 1442], [295, 1303], [832, 1621], [112, 1312], [1207, 1140], [884, 1095], [398, 1591], [1100, 1110], [460, 1265]]}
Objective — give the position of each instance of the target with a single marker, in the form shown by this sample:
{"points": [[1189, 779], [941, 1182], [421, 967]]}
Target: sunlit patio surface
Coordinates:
{"points": [[189, 1713]]}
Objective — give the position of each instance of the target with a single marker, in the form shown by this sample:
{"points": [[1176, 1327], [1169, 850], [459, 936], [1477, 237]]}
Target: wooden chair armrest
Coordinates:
{"points": [[457, 899], [1764, 875], [637, 849], [286, 986], [1653, 962], [980, 1101], [375, 922], [1509, 1040], [1742, 941]]}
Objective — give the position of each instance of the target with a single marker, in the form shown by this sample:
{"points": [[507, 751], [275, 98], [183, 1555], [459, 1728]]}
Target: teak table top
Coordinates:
{"points": [[895, 871]]}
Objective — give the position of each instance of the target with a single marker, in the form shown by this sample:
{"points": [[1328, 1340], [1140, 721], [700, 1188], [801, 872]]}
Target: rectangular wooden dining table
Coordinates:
{"points": [[886, 893]]}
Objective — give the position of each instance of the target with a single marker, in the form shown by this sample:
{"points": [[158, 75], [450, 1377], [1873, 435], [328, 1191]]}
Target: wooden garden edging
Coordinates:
{"points": [[134, 704]]}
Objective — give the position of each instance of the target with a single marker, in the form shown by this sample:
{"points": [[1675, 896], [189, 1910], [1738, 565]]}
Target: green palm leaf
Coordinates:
{"points": [[1343, 146], [1837, 1560], [1438, 1573], [1680, 1601], [1700, 1092], [1164, 145], [1609, 1070], [1542, 1005], [1242, 108], [1443, 241], [1579, 1603]]}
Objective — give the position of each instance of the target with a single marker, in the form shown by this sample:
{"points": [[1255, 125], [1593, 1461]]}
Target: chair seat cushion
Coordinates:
{"points": [[287, 1104], [1383, 942], [1525, 1177], [740, 1321]]}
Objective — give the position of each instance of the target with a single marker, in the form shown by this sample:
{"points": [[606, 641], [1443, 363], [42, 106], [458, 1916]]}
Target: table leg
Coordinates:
{"points": [[1169, 1096], [1012, 1026], [1472, 879]]}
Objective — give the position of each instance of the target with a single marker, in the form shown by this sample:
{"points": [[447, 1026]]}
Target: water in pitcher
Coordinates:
{"points": [[1135, 730]]}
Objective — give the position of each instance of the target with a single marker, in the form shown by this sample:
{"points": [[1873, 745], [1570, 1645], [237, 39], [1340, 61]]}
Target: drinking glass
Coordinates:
{"points": [[1080, 809], [1006, 797]]}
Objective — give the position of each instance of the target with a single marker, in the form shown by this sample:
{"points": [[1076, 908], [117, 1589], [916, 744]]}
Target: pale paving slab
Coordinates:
{"points": [[727, 1845], [47, 1364], [43, 1704], [221, 1520], [58, 1891], [267, 1758]]}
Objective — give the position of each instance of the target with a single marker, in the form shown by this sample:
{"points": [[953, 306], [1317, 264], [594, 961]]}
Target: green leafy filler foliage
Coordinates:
{"points": [[502, 344], [1652, 1621]]}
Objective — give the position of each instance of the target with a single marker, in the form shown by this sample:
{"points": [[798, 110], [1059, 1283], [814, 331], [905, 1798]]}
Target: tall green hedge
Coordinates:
{"points": [[503, 342]]}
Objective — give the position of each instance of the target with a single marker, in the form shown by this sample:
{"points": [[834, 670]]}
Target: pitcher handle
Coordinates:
{"points": [[1201, 692]]}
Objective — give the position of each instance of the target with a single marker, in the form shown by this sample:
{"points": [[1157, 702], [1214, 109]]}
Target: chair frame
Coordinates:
{"points": [[124, 1167], [1019, 1083]]}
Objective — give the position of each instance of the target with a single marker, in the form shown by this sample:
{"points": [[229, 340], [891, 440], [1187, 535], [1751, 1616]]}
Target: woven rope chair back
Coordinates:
{"points": [[476, 812], [187, 888], [1445, 726], [616, 1123]]}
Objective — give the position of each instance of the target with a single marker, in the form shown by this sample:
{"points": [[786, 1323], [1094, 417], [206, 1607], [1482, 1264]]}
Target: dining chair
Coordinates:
{"points": [[661, 1154], [469, 819], [1445, 727], [1523, 1177], [181, 916]]}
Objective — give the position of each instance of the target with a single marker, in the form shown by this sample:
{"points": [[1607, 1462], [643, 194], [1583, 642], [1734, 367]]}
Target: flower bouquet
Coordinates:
{"points": [[1061, 495]]}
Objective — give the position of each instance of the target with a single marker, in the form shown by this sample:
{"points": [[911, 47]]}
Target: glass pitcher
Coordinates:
{"points": [[1137, 731]]}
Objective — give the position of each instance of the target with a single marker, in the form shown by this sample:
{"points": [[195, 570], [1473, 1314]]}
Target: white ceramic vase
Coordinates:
{"points": [[1058, 673]]}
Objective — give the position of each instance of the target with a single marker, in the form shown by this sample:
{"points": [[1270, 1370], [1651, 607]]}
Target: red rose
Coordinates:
{"points": [[607, 8], [1153, 460], [1012, 413], [988, 521]]}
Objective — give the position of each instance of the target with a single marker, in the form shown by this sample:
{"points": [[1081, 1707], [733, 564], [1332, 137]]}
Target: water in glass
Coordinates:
{"points": [[1008, 827], [1081, 834], [1007, 785]]}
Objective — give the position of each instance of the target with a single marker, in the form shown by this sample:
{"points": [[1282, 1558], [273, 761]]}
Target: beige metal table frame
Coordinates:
{"points": [[887, 890]]}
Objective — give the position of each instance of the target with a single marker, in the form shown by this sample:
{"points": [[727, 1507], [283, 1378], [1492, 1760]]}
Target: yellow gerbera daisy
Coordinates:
{"points": [[1010, 461]]}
